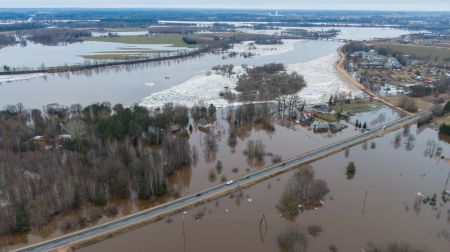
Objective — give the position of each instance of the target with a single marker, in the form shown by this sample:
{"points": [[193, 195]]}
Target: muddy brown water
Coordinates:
{"points": [[188, 180], [391, 174]]}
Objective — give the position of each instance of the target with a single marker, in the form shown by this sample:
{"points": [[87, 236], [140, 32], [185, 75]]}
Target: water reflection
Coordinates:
{"points": [[292, 240], [393, 182]]}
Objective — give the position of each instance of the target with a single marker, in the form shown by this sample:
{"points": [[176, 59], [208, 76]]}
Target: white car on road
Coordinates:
{"points": [[230, 182]]}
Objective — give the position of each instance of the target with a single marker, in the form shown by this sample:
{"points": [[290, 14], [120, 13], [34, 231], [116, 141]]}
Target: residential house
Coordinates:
{"points": [[322, 107], [203, 124], [305, 116], [334, 126], [321, 127]]}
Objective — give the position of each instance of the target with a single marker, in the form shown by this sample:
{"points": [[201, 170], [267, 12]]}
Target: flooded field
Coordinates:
{"points": [[390, 171], [36, 55], [230, 154], [389, 199]]}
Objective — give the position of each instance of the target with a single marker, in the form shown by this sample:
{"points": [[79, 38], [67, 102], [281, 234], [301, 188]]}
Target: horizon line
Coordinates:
{"points": [[215, 8]]}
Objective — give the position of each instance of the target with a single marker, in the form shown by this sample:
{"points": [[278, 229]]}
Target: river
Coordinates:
{"points": [[131, 84], [239, 221]]}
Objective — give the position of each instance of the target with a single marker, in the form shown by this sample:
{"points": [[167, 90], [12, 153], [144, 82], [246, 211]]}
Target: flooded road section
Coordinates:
{"points": [[388, 199]]}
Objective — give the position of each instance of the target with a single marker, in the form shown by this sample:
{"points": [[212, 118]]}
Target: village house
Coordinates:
{"points": [[305, 116], [321, 107], [320, 127], [203, 124], [372, 59], [334, 126], [344, 114]]}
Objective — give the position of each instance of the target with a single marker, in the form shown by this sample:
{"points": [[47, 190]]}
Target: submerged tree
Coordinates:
{"points": [[394, 247], [302, 191], [350, 170]]}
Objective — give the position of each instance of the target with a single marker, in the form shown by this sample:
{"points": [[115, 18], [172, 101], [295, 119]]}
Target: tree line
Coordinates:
{"points": [[63, 158]]}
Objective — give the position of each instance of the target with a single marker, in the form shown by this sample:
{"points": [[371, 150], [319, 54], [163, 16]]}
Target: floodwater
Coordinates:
{"points": [[127, 85], [189, 180], [353, 33], [379, 204], [35, 55]]}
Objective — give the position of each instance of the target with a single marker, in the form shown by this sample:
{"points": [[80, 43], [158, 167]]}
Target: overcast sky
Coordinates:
{"points": [[442, 5]]}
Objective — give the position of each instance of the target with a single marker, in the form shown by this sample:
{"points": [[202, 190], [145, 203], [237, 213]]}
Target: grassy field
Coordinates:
{"points": [[113, 56], [422, 104], [125, 29], [327, 117], [357, 106], [173, 39], [444, 119], [440, 52]]}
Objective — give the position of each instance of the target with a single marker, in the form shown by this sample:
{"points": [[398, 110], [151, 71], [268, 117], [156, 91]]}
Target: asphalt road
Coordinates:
{"points": [[221, 189]]}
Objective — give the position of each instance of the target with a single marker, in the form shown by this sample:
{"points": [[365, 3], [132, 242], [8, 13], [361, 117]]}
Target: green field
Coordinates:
{"points": [[357, 106], [440, 52], [113, 56], [421, 103], [327, 117], [173, 39]]}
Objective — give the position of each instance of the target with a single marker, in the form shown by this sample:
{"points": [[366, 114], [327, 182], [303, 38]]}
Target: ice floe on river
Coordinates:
{"points": [[199, 89], [321, 76], [322, 79], [265, 50], [19, 77]]}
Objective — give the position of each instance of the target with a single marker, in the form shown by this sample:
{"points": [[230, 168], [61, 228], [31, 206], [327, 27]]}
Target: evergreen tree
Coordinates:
{"points": [[212, 110], [447, 107], [351, 168], [364, 126], [22, 220], [144, 192], [444, 129]]}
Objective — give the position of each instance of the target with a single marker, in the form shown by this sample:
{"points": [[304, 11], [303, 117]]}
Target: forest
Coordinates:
{"points": [[54, 37], [268, 82], [63, 158]]}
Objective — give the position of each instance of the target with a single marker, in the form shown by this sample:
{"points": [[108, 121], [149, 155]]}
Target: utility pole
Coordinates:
{"points": [[184, 236], [364, 204]]}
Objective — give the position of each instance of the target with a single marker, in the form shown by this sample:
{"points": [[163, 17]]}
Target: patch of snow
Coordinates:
{"points": [[150, 84], [65, 136], [31, 175], [4, 203], [265, 50], [38, 138], [19, 77], [322, 80]]}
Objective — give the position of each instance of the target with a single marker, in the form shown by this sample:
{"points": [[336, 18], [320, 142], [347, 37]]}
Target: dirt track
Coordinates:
{"points": [[347, 77]]}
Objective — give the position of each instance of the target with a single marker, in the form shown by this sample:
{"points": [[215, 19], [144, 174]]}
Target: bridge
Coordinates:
{"points": [[124, 224]]}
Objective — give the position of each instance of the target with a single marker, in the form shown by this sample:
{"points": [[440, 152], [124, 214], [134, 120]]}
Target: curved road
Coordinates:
{"points": [[101, 231]]}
